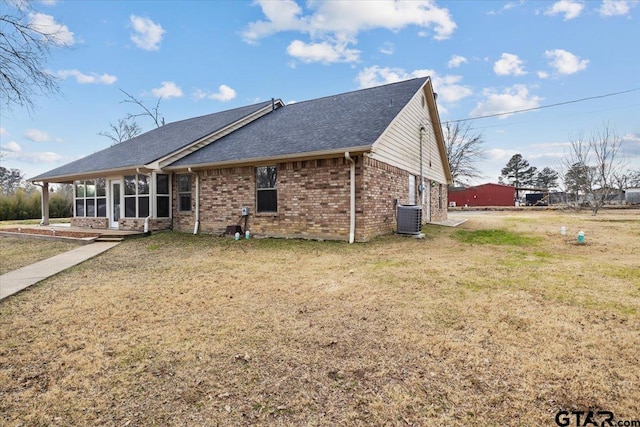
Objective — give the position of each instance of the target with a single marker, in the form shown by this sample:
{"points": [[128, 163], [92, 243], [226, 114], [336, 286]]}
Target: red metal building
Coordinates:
{"points": [[483, 195]]}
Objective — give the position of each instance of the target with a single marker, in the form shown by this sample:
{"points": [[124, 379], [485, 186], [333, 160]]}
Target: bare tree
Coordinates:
{"points": [[126, 129], [464, 150], [626, 179], [153, 113], [597, 156], [25, 46]]}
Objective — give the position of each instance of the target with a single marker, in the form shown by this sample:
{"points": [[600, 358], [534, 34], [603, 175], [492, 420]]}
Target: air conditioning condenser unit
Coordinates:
{"points": [[409, 219]]}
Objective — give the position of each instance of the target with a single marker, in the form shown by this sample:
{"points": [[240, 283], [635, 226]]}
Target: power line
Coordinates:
{"points": [[543, 106]]}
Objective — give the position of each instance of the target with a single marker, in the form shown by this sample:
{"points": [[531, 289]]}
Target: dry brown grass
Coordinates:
{"points": [[16, 253], [178, 329]]}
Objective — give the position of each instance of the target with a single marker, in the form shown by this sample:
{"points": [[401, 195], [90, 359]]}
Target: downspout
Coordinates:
{"points": [[421, 188], [352, 219], [196, 226]]}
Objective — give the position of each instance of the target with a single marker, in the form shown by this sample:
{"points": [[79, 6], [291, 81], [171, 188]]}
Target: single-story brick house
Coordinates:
{"points": [[330, 168]]}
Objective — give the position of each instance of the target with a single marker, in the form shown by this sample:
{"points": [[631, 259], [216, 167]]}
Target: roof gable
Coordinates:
{"points": [[331, 124], [152, 145]]}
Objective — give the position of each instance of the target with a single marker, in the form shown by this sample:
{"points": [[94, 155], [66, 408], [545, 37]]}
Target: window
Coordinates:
{"points": [[184, 193], [136, 196], [266, 189], [162, 196], [91, 198], [440, 197]]}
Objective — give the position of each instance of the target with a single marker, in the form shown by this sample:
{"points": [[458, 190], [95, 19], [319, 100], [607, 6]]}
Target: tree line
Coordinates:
{"points": [[22, 200], [591, 171]]}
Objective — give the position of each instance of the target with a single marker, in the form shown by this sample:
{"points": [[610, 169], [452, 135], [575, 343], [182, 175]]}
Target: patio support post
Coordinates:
{"points": [[45, 204]]}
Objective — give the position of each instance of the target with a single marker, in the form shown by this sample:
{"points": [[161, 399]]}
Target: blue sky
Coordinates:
{"points": [[485, 57]]}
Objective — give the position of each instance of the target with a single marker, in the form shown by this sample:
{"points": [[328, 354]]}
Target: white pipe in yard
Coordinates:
{"points": [[352, 219]]}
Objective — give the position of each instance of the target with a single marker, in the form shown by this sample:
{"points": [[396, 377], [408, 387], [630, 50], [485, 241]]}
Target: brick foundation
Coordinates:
{"points": [[137, 224], [133, 224], [100, 223]]}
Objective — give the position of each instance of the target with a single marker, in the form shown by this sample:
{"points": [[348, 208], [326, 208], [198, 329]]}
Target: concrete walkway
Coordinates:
{"points": [[17, 280]]}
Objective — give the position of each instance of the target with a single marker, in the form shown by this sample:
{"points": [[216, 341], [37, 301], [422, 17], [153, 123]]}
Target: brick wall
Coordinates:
{"points": [[88, 222], [381, 184], [313, 200], [439, 202]]}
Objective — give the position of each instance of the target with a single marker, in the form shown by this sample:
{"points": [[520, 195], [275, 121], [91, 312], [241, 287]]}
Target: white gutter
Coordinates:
{"points": [[352, 219], [196, 226]]}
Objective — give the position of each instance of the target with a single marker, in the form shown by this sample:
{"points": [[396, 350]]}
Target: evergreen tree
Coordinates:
{"points": [[547, 178], [518, 172]]}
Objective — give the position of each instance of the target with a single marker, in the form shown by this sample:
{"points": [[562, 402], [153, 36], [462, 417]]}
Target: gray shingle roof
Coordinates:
{"points": [[348, 120], [152, 145]]}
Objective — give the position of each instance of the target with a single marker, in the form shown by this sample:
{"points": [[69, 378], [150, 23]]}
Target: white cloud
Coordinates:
{"points": [[49, 2], [322, 52], [45, 24], [456, 61], [500, 154], [37, 157], [387, 48], [147, 34], [447, 87], [509, 65], [167, 90], [82, 78], [506, 7], [37, 135], [334, 25], [565, 62], [514, 98], [513, 5], [630, 145], [543, 75], [376, 76], [12, 147], [341, 18], [224, 94], [2, 131], [571, 9], [550, 151], [616, 7]]}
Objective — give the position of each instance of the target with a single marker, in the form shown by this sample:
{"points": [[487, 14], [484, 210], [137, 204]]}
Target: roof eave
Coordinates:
{"points": [[68, 178], [437, 129], [313, 155]]}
